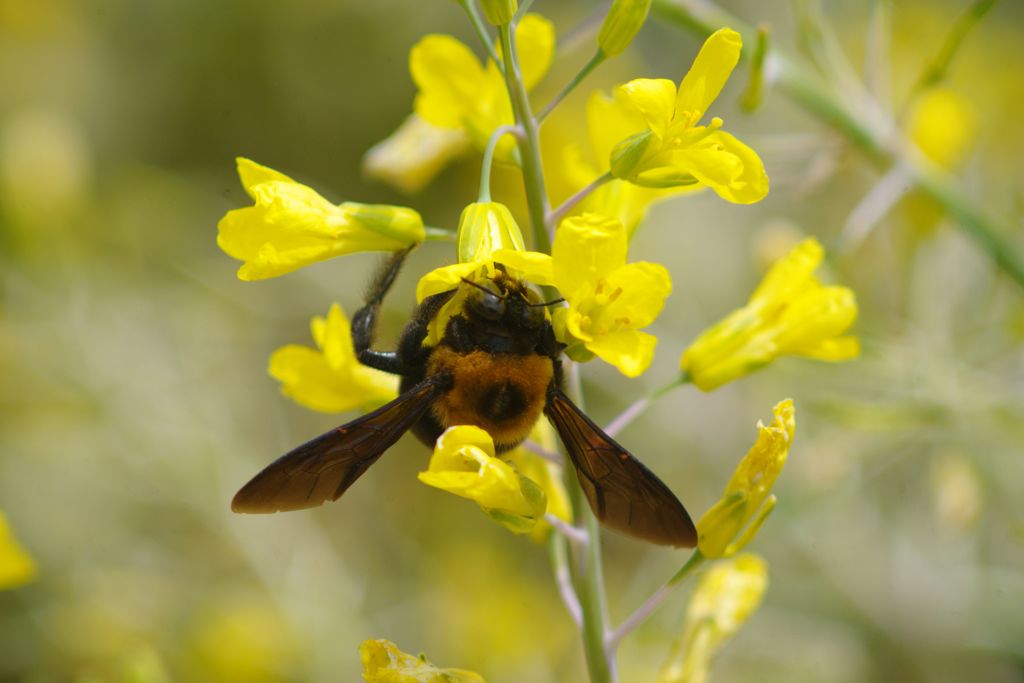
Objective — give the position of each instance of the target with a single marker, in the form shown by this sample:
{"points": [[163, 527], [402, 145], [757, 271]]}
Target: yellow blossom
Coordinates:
{"points": [[735, 519], [383, 662], [726, 596], [942, 125], [609, 299], [621, 24], [464, 463], [329, 378], [291, 226], [456, 91], [608, 122], [16, 566], [414, 154], [484, 228], [790, 313], [667, 148], [546, 474]]}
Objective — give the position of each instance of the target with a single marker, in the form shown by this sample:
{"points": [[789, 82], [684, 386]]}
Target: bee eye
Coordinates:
{"points": [[487, 302]]}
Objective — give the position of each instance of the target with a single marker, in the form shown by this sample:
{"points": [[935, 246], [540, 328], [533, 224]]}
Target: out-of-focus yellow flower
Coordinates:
{"points": [[609, 299], [292, 226], [414, 154], [464, 463], [668, 148], [329, 378], [17, 567], [942, 125], [724, 599], [790, 313], [957, 493], [608, 122], [456, 91], [242, 641], [499, 12], [484, 228], [731, 523], [621, 24], [383, 662]]}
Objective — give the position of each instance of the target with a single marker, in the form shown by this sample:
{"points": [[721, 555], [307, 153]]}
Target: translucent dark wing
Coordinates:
{"points": [[625, 495], [323, 469]]}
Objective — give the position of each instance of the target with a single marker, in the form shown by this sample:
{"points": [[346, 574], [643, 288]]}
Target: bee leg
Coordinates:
{"points": [[410, 346], [364, 322]]}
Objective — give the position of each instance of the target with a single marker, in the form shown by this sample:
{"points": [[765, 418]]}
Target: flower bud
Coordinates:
{"points": [[499, 12], [484, 228], [627, 155], [624, 20]]}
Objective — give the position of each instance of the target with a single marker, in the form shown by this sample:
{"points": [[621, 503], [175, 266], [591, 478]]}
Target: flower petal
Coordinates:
{"points": [[587, 248], [653, 98], [643, 288], [414, 154], [444, 279], [631, 351], [307, 378], [711, 69], [448, 76], [252, 174]]}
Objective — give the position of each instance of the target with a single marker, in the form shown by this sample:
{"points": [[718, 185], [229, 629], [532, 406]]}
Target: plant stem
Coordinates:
{"points": [[481, 31], [485, 166], [640, 405], [867, 126], [587, 570], [529, 143], [434, 234], [557, 544], [556, 216], [598, 57]]}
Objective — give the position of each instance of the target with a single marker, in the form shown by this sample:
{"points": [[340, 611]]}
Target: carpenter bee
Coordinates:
{"points": [[497, 367]]}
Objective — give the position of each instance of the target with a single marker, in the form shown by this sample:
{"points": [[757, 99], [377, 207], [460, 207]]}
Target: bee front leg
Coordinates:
{"points": [[364, 322]]}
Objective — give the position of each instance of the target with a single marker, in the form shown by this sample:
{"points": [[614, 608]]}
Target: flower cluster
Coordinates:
{"points": [[647, 140]]}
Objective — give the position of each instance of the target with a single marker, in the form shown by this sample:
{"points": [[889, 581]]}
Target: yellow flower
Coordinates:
{"points": [[329, 378], [546, 474], [609, 299], [240, 639], [414, 154], [291, 226], [464, 463], [608, 122], [383, 662], [942, 125], [484, 228], [457, 92], [16, 566], [731, 523], [724, 599], [790, 313], [621, 24], [668, 148]]}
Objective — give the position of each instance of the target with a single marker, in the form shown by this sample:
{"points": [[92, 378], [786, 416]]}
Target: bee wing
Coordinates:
{"points": [[323, 469], [622, 492]]}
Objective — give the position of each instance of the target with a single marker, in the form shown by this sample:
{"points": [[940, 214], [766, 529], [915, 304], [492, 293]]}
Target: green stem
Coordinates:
{"points": [[481, 31], [936, 70], [438, 234], [587, 570], [641, 404], [556, 216], [654, 602], [871, 129], [529, 143], [485, 167], [599, 57]]}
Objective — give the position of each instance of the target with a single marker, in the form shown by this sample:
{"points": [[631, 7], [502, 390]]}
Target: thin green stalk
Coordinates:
{"points": [[529, 143], [641, 404], [587, 570], [596, 60], [484, 194], [868, 127], [481, 30], [644, 611], [936, 70], [434, 234], [556, 216]]}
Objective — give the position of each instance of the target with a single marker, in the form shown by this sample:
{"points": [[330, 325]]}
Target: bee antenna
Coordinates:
{"points": [[559, 300], [483, 289]]}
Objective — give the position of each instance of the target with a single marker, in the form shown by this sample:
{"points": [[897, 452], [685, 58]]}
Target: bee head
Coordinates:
{"points": [[504, 298]]}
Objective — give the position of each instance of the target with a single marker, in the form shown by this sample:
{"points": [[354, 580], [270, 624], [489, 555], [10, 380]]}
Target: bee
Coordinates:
{"points": [[497, 366]]}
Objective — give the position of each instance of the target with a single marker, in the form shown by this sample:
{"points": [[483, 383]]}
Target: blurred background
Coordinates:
{"points": [[134, 398]]}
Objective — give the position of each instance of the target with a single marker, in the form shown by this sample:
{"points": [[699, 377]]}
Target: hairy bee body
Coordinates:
{"points": [[497, 367]]}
